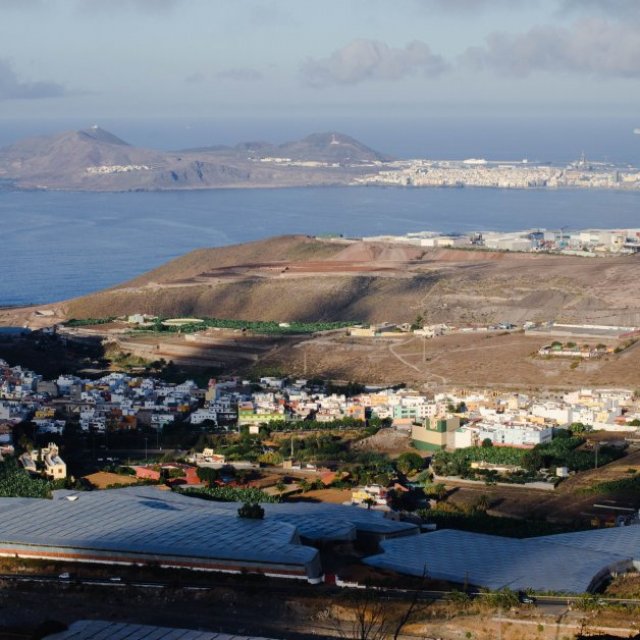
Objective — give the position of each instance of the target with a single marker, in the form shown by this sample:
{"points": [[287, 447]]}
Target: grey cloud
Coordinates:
{"points": [[194, 78], [109, 6], [363, 60], [620, 9], [269, 14], [13, 5], [12, 88], [240, 74], [593, 46], [455, 6]]}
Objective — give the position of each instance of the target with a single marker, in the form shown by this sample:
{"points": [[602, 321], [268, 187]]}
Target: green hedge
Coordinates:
{"points": [[17, 483], [231, 494]]}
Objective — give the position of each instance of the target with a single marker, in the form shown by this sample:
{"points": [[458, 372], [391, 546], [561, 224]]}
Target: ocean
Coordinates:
{"points": [[56, 245]]}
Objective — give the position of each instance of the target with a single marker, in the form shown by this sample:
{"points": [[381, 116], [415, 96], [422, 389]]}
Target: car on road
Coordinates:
{"points": [[525, 598], [64, 576]]}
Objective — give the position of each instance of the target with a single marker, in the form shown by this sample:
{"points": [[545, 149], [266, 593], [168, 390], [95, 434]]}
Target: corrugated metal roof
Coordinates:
{"points": [[496, 562], [145, 520], [623, 541], [104, 630]]}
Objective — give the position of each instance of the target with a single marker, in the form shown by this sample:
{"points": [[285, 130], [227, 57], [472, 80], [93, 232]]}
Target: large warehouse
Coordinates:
{"points": [[144, 525], [103, 629], [569, 563]]}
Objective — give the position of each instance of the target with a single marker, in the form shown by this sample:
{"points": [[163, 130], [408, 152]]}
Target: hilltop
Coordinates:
{"points": [[319, 147], [95, 160], [307, 279]]}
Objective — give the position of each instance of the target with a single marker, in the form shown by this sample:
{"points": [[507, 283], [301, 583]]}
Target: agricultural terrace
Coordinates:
{"points": [[16, 483], [193, 325], [231, 494], [565, 450], [161, 325]]}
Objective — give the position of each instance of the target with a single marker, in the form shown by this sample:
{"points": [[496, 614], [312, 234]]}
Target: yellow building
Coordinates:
{"points": [[434, 434]]}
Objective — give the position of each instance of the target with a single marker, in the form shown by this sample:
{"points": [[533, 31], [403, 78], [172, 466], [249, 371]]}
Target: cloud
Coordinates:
{"points": [[476, 6], [269, 14], [13, 5], [240, 74], [592, 46], [194, 78], [363, 60], [12, 88], [110, 6], [619, 9]]}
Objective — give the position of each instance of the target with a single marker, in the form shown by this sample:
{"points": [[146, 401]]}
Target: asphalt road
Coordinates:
{"points": [[549, 603]]}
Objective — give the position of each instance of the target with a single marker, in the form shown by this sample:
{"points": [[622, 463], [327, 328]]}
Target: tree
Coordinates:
{"points": [[409, 463], [208, 475], [370, 502], [503, 598], [437, 491], [482, 503], [252, 511], [580, 427], [405, 500], [533, 460], [373, 618], [487, 442], [418, 322]]}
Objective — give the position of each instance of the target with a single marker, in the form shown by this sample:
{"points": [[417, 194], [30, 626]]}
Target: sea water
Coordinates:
{"points": [[57, 245]]}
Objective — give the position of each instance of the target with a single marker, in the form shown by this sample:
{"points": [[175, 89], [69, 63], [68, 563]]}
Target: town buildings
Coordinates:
{"points": [[454, 418]]}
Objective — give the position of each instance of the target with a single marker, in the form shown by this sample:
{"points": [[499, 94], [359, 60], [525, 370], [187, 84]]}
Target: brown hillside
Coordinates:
{"points": [[272, 250], [303, 278]]}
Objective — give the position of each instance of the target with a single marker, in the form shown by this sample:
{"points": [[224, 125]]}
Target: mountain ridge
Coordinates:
{"points": [[289, 278], [94, 159]]}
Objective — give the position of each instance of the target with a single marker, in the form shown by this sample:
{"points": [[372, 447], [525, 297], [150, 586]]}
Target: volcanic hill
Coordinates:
{"points": [[95, 160], [305, 278]]}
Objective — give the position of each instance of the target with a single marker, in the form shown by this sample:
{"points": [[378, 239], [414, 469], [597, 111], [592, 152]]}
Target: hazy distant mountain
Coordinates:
{"points": [[95, 160], [329, 147]]}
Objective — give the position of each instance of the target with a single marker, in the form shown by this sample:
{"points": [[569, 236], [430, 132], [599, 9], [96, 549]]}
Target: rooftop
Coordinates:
{"points": [[542, 564], [101, 629], [138, 524]]}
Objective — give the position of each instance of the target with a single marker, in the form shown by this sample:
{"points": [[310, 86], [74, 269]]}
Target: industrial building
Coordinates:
{"points": [[101, 629], [144, 525], [567, 563]]}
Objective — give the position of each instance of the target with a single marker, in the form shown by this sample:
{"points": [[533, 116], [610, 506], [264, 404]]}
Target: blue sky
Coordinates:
{"points": [[215, 58]]}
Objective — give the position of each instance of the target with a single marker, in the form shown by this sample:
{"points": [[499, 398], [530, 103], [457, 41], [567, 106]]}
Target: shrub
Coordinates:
{"points": [[251, 511]]}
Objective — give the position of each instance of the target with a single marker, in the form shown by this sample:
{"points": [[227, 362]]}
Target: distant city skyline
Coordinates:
{"points": [[159, 58]]}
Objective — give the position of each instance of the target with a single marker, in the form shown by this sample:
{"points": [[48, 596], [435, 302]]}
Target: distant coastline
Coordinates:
{"points": [[94, 160]]}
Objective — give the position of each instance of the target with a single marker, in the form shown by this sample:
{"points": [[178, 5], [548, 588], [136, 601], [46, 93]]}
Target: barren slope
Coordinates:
{"points": [[302, 278]]}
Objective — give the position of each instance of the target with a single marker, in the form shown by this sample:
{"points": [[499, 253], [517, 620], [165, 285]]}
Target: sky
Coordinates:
{"points": [[214, 58]]}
